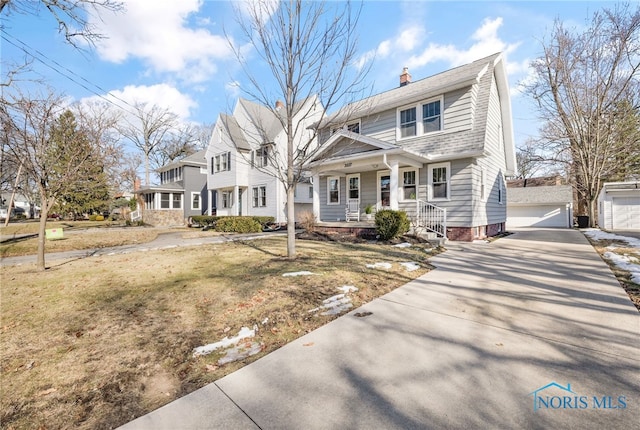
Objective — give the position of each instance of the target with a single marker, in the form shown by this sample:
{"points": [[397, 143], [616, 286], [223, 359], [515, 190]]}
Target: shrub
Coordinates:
{"points": [[99, 217], [307, 221], [264, 220], [391, 224], [204, 220], [93, 217], [238, 224]]}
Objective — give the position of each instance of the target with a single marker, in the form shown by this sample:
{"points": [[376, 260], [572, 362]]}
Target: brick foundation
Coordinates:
{"points": [[468, 234]]}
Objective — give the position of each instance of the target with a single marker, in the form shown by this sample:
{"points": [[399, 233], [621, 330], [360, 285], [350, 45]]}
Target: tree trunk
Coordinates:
{"points": [[291, 224], [44, 213]]}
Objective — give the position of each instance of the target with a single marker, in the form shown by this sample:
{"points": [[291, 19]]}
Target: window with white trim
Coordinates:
{"points": [[431, 117], [165, 201], [408, 122], [353, 127], [409, 185], [333, 190], [221, 163], [260, 157], [311, 192], [259, 195], [353, 184], [500, 189], [423, 118], [176, 201], [439, 180], [195, 201], [227, 199]]}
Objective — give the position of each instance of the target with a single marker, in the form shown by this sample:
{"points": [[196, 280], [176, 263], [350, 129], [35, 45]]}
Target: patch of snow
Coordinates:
{"points": [[301, 273], [410, 266], [240, 351], [379, 266], [337, 304], [403, 245], [597, 234], [625, 262], [347, 289], [244, 333], [264, 321]]}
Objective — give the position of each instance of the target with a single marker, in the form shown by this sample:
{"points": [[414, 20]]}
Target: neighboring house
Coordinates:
{"points": [[438, 148], [21, 205], [181, 194], [244, 154], [540, 206], [619, 206]]}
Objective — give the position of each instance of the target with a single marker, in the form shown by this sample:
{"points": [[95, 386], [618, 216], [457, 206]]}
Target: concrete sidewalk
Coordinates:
{"points": [[163, 241], [471, 344]]}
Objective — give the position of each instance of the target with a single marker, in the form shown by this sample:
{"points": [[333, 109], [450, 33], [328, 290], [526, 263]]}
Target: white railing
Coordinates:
{"points": [[431, 218]]}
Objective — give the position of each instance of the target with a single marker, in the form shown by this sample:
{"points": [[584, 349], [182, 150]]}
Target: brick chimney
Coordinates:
{"points": [[279, 104], [405, 77], [136, 184]]}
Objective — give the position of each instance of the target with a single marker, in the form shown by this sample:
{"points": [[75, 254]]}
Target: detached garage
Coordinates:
{"points": [[546, 206], [619, 206]]}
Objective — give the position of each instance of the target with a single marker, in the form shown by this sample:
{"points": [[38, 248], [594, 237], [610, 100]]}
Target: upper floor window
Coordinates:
{"points": [[260, 157], [408, 122], [429, 119], [439, 181], [353, 127], [221, 162]]}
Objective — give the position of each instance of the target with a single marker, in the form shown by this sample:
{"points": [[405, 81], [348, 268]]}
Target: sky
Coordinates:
{"points": [[175, 53]]}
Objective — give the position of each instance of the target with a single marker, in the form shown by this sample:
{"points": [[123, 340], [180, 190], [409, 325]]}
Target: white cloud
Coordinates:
{"points": [[486, 42], [157, 32], [162, 95], [405, 41]]}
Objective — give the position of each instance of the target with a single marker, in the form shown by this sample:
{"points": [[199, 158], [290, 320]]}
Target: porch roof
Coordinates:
{"points": [[169, 188]]}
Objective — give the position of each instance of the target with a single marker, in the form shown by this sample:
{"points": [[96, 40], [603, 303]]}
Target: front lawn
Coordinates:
{"points": [[94, 343]]}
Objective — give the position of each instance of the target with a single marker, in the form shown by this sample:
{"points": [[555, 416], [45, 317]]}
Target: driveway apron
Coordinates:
{"points": [[529, 331]]}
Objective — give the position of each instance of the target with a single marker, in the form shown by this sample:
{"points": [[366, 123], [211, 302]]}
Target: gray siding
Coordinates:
{"points": [[194, 181], [457, 110]]}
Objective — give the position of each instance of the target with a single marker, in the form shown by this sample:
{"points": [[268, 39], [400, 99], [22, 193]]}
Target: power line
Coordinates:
{"points": [[25, 48]]}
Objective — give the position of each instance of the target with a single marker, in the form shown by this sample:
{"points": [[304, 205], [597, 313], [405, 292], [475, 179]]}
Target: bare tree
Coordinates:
{"points": [[180, 142], [53, 150], [581, 82], [148, 130], [308, 50], [70, 15]]}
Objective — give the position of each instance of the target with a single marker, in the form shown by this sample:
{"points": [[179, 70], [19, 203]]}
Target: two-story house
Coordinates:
{"points": [[182, 193], [438, 148], [246, 158]]}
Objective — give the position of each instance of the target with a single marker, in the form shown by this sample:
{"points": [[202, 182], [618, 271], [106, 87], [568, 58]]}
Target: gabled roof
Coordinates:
{"points": [[196, 159], [263, 119], [558, 194], [446, 145], [235, 132], [341, 136]]}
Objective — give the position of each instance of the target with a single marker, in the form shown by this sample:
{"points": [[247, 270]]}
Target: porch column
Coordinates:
{"points": [[236, 203], [393, 192], [316, 196]]}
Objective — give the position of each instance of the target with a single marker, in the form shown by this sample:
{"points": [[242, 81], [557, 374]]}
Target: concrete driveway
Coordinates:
{"points": [[529, 331]]}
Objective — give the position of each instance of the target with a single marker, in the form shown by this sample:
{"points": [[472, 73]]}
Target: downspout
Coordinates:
{"points": [[385, 162]]}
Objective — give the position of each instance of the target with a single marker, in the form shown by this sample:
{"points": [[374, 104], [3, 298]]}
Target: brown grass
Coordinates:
{"points": [[94, 343], [77, 235]]}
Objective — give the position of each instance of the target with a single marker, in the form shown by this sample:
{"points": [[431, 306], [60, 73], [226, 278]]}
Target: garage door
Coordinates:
{"points": [[626, 213], [537, 216]]}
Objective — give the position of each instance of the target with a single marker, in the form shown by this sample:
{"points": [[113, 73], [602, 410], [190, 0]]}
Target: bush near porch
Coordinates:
{"points": [[391, 224]]}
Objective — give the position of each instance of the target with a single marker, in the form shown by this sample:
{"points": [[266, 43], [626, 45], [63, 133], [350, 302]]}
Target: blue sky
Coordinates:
{"points": [[174, 53]]}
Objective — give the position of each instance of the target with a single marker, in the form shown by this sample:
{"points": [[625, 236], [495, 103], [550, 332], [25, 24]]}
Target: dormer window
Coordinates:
{"points": [[424, 118]]}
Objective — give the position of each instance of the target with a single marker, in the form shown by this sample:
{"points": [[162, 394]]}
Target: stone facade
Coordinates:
{"points": [[164, 218]]}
